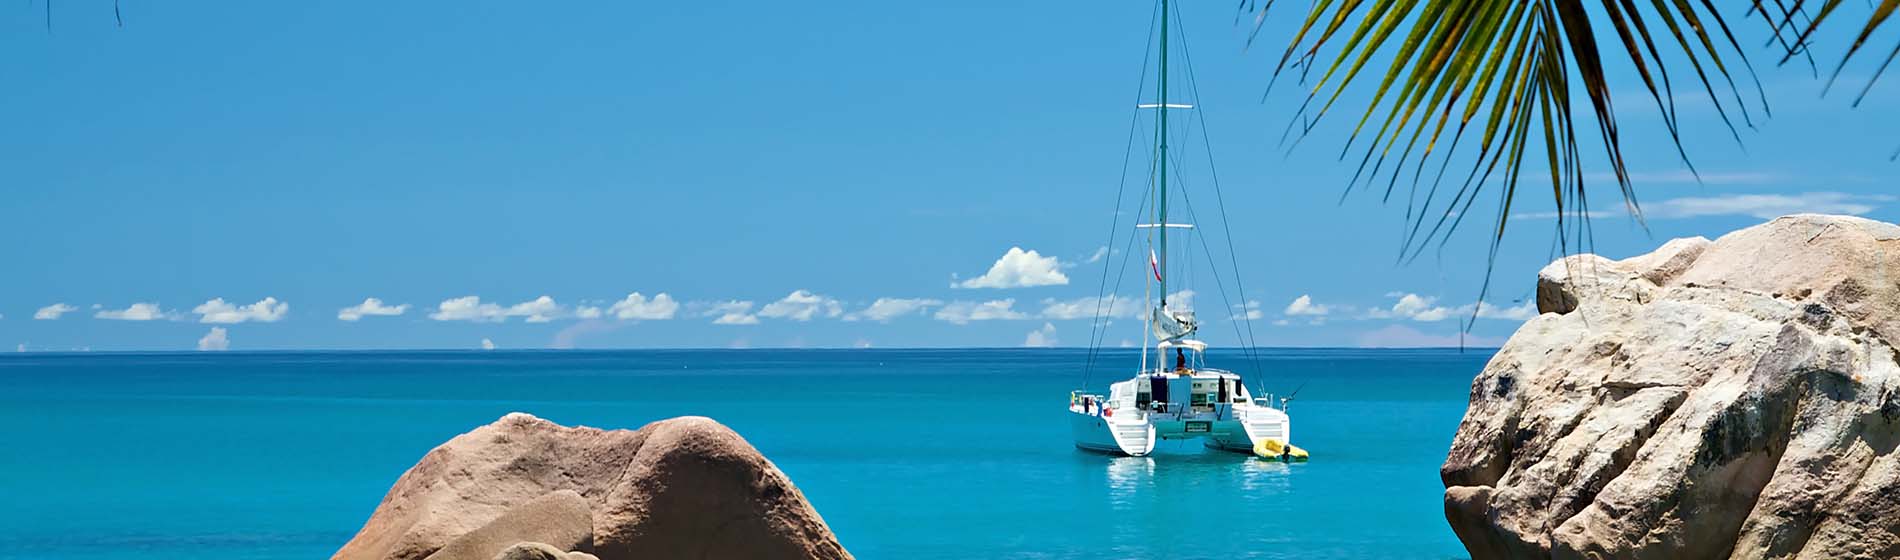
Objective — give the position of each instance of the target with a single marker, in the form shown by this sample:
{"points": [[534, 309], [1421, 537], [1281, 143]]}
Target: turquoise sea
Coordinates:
{"points": [[906, 453]]}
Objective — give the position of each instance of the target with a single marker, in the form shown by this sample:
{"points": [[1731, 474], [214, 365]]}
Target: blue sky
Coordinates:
{"points": [[773, 169]]}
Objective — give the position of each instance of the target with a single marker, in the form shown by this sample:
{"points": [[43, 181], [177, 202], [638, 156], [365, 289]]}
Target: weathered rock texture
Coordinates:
{"points": [[1726, 399], [558, 519], [538, 551], [680, 488]]}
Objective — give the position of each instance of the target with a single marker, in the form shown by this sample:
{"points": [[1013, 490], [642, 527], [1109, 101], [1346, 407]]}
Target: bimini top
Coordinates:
{"points": [[1194, 345]]}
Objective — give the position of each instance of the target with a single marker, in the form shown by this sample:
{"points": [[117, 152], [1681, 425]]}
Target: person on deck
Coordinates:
{"points": [[1180, 360]]}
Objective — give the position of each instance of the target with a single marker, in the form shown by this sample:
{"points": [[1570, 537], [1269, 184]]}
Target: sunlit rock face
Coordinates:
{"points": [[1733, 398]]}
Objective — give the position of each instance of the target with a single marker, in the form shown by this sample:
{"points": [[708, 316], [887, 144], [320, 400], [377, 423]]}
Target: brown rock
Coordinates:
{"points": [[558, 519], [538, 551], [1730, 399], [680, 488]]}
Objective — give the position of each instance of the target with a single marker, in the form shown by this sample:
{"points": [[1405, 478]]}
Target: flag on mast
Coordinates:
{"points": [[1154, 264]]}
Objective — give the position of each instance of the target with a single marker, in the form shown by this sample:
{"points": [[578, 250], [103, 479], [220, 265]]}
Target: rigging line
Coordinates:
{"points": [[1134, 120], [1207, 146], [1100, 333], [1222, 286]]}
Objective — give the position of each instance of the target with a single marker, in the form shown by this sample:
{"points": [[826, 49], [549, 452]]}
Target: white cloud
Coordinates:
{"points": [[467, 308], [1414, 307], [471, 308], [962, 312], [52, 312], [1249, 311], [371, 307], [1520, 313], [1041, 338], [267, 310], [216, 340], [1099, 254], [732, 313], [638, 307], [488, 344], [1762, 206], [587, 312], [1182, 300], [885, 309], [1019, 269], [1765, 206], [1401, 336], [1086, 307], [802, 305], [538, 310], [137, 312], [1304, 305]]}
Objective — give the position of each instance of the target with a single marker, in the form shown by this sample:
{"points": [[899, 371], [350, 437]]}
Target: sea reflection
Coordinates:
{"points": [[1126, 477]]}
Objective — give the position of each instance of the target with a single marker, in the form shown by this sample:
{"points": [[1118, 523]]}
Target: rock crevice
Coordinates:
{"points": [[1712, 399]]}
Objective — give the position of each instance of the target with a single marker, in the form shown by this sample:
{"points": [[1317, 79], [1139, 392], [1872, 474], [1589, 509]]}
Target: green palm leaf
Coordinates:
{"points": [[1513, 68]]}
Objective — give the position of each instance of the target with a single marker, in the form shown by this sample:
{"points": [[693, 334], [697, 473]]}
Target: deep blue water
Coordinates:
{"points": [[906, 453]]}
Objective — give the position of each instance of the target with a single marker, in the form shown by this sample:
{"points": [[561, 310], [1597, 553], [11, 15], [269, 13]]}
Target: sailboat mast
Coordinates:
{"points": [[1162, 205]]}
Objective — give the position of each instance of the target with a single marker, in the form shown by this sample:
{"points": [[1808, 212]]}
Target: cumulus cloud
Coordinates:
{"points": [[137, 312], [1182, 300], [488, 344], [1249, 311], [267, 310], [1019, 269], [52, 312], [802, 305], [732, 313], [1520, 313], [1041, 338], [1110, 306], [214, 341], [638, 308], [885, 309], [1414, 307], [472, 309], [962, 312], [1426, 309], [371, 307], [1304, 305], [587, 312]]}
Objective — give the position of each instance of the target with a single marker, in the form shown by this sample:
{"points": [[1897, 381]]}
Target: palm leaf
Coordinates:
{"points": [[1520, 64]]}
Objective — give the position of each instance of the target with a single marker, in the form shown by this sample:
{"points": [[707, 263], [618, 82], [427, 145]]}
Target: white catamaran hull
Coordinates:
{"points": [[1239, 430]]}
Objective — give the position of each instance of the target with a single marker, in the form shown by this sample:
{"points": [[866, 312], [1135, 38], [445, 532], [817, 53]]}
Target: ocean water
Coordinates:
{"points": [[906, 453]]}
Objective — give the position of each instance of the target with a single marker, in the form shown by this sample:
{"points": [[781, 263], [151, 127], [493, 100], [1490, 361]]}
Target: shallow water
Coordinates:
{"points": [[906, 453]]}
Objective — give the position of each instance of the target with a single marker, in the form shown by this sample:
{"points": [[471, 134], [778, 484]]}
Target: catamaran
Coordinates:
{"points": [[1175, 393]]}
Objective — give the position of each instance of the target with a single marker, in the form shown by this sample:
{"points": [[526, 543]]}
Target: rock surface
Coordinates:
{"points": [[1730, 399], [680, 488], [558, 519], [539, 551]]}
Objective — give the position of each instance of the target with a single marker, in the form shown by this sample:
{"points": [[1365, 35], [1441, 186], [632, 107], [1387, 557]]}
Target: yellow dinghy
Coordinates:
{"points": [[1279, 450]]}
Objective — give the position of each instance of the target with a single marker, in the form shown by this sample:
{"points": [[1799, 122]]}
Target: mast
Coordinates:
{"points": [[1162, 206]]}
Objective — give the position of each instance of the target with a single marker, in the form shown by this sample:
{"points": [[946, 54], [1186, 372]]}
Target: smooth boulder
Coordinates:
{"points": [[1738, 398], [539, 551], [679, 488], [558, 519]]}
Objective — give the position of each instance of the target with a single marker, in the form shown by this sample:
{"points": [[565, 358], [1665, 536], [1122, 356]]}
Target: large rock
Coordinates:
{"points": [[558, 519], [1730, 399], [680, 488], [539, 551]]}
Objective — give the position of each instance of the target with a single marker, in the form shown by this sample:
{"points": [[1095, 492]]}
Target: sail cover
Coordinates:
{"points": [[1173, 325]]}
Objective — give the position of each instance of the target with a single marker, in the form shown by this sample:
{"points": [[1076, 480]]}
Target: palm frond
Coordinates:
{"points": [[1506, 76]]}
